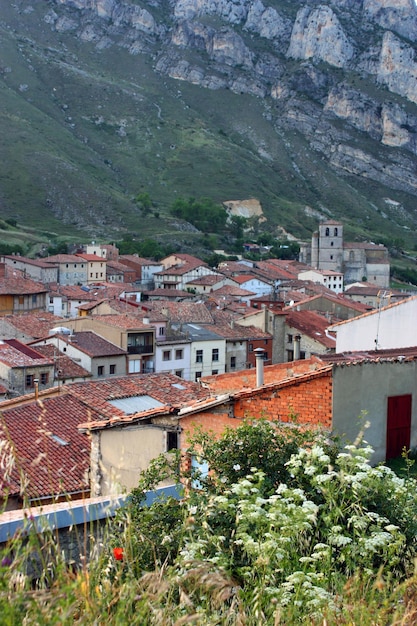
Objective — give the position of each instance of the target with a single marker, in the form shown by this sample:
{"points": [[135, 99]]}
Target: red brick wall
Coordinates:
{"points": [[309, 400]]}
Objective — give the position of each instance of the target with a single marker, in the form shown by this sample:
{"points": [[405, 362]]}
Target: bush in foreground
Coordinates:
{"points": [[334, 543]]}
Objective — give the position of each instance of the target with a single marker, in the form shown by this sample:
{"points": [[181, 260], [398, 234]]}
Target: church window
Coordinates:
{"points": [[327, 232]]}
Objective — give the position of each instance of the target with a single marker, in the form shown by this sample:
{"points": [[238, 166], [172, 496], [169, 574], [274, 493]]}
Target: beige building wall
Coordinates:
{"points": [[119, 456]]}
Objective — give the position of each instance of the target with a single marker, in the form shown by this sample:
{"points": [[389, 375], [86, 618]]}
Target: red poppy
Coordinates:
{"points": [[118, 554]]}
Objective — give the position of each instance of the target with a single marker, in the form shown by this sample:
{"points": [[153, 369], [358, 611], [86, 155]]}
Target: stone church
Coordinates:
{"points": [[359, 262]]}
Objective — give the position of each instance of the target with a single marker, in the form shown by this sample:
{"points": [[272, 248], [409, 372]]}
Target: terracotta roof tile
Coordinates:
{"points": [[311, 324], [64, 366], [35, 325], [48, 446]]}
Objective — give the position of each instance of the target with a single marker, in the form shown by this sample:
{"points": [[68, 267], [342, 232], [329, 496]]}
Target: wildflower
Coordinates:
{"points": [[6, 561], [118, 554], [236, 466]]}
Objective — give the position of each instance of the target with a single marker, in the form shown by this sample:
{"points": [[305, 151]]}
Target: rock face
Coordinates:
{"points": [[317, 34], [342, 73]]}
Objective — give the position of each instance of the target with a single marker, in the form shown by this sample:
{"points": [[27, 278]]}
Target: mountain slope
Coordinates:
{"points": [[310, 107]]}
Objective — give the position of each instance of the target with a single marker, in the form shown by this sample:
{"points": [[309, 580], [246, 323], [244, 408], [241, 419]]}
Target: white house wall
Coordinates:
{"points": [[394, 326]]}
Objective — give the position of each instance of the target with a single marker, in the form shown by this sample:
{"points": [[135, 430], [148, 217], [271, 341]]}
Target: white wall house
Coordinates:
{"points": [[328, 278], [173, 357], [393, 326], [207, 352]]}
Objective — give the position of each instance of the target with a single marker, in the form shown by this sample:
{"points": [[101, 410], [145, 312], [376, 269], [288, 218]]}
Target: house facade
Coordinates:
{"points": [[392, 326], [128, 333], [23, 369], [72, 269], [37, 269], [19, 294]]}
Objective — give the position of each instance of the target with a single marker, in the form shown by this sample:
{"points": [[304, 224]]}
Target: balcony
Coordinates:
{"points": [[147, 349]]}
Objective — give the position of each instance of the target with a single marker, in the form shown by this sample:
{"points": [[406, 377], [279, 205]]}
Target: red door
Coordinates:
{"points": [[398, 425]]}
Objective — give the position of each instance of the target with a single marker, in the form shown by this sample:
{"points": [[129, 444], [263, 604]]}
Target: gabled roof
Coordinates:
{"points": [[91, 258], [311, 324], [208, 279], [26, 260], [406, 301], [180, 270], [245, 380], [182, 312], [14, 283], [62, 258], [168, 390], [244, 278], [231, 290], [14, 353], [47, 446], [34, 325], [92, 344], [64, 366], [375, 356], [124, 322]]}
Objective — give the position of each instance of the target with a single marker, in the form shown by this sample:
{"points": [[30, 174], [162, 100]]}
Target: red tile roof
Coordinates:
{"points": [[311, 324], [47, 446], [13, 353], [14, 283], [92, 344], [35, 325], [182, 312], [236, 382], [65, 367]]}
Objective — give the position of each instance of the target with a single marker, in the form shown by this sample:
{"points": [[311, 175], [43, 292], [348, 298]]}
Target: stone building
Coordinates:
{"points": [[358, 261]]}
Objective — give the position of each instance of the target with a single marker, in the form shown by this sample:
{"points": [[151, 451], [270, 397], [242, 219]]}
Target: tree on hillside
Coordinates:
{"points": [[204, 214]]}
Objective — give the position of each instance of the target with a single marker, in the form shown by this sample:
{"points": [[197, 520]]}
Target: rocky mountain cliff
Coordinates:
{"points": [[331, 86]]}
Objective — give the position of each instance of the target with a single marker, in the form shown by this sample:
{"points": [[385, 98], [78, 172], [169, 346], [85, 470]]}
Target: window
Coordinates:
{"points": [[251, 347], [161, 331], [197, 376], [172, 440], [44, 378], [289, 338], [335, 232], [34, 298], [178, 354], [166, 355], [21, 299], [199, 356], [327, 232], [134, 366], [214, 372], [332, 243], [112, 369], [232, 362], [215, 354], [100, 370], [30, 380], [178, 373]]}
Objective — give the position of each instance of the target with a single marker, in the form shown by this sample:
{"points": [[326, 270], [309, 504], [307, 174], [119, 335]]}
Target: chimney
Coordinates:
{"points": [[146, 320], [297, 342], [259, 353]]}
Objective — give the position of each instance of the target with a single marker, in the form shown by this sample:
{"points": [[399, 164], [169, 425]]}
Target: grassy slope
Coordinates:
{"points": [[85, 131]]}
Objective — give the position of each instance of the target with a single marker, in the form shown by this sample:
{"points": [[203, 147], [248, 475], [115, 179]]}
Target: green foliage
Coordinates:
{"points": [[147, 248], [262, 444], [405, 274], [6, 248], [204, 214], [314, 536]]}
